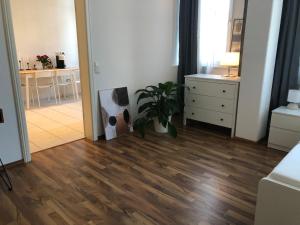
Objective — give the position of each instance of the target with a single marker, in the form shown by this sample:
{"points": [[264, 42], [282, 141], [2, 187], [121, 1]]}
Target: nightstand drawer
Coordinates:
{"points": [[285, 122], [211, 89], [283, 138], [210, 103], [208, 116]]}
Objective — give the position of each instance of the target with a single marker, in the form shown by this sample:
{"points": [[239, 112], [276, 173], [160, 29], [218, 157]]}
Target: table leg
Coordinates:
{"points": [[27, 93]]}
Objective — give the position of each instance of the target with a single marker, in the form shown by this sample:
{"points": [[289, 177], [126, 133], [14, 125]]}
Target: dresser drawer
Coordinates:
{"points": [[285, 122], [210, 103], [283, 138], [208, 116], [211, 89]]}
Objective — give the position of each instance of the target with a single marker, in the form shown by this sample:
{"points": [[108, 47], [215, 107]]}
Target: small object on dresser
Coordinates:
{"points": [[230, 60], [20, 65], [45, 61], [293, 99], [60, 60], [28, 66]]}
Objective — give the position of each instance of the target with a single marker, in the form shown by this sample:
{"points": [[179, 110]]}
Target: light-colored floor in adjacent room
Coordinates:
{"points": [[54, 125]]}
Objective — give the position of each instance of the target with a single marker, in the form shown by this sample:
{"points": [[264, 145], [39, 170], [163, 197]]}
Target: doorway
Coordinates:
{"points": [[72, 102], [47, 54]]}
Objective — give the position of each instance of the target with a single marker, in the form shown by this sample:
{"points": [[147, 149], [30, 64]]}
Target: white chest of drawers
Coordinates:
{"points": [[212, 99], [284, 129]]}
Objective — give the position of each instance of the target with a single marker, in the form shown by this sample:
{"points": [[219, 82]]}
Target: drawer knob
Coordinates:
{"points": [[193, 113], [224, 91], [194, 87], [194, 100], [223, 105], [221, 119]]}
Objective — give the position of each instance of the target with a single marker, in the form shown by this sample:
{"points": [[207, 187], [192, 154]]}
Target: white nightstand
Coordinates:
{"points": [[284, 129]]}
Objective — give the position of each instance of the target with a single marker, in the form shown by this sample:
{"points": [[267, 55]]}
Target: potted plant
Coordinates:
{"points": [[45, 60], [159, 105]]}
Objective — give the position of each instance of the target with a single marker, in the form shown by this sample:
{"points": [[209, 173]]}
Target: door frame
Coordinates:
{"points": [[85, 65]]}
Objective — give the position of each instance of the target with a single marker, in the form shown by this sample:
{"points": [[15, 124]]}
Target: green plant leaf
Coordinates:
{"points": [[151, 114], [141, 124], [143, 96], [161, 86], [172, 130], [140, 90], [154, 88], [145, 106]]}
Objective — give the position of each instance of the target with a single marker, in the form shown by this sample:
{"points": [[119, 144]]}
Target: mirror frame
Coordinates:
{"points": [[243, 37]]}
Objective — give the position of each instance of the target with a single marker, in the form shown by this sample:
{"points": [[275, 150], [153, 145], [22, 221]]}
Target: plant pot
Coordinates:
{"points": [[159, 128]]}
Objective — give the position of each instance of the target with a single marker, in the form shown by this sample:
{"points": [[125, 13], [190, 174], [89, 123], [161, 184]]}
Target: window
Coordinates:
{"points": [[213, 31]]}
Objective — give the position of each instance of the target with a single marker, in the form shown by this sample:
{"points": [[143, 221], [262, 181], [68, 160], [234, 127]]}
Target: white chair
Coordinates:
{"points": [[64, 79], [76, 77], [31, 85], [44, 80]]}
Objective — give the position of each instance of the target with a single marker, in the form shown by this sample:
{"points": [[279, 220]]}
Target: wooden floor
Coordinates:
{"points": [[199, 178]]}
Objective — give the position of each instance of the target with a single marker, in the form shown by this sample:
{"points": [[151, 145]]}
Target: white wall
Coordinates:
{"points": [[260, 47], [45, 27], [133, 42], [10, 149]]}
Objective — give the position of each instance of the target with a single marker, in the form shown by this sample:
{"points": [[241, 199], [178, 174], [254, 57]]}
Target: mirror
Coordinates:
{"points": [[221, 33]]}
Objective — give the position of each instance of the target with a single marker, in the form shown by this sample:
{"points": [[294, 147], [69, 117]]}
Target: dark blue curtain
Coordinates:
{"points": [[288, 53], [188, 40]]}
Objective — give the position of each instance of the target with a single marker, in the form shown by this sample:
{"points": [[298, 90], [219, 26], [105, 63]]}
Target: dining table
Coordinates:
{"points": [[29, 74]]}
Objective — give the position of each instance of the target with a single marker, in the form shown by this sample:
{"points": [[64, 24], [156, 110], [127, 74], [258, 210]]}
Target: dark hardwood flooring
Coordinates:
{"points": [[199, 178]]}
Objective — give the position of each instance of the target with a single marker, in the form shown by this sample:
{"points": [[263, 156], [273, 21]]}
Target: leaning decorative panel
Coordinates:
{"points": [[115, 112]]}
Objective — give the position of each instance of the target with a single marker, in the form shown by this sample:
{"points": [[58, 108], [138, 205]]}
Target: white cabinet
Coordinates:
{"points": [[212, 99], [284, 129]]}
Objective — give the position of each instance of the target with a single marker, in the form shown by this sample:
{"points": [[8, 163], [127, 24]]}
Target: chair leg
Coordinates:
{"points": [[49, 94], [58, 90], [74, 92], [64, 92], [55, 97], [59, 94], [32, 97], [74, 85], [38, 96], [54, 90], [37, 93]]}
